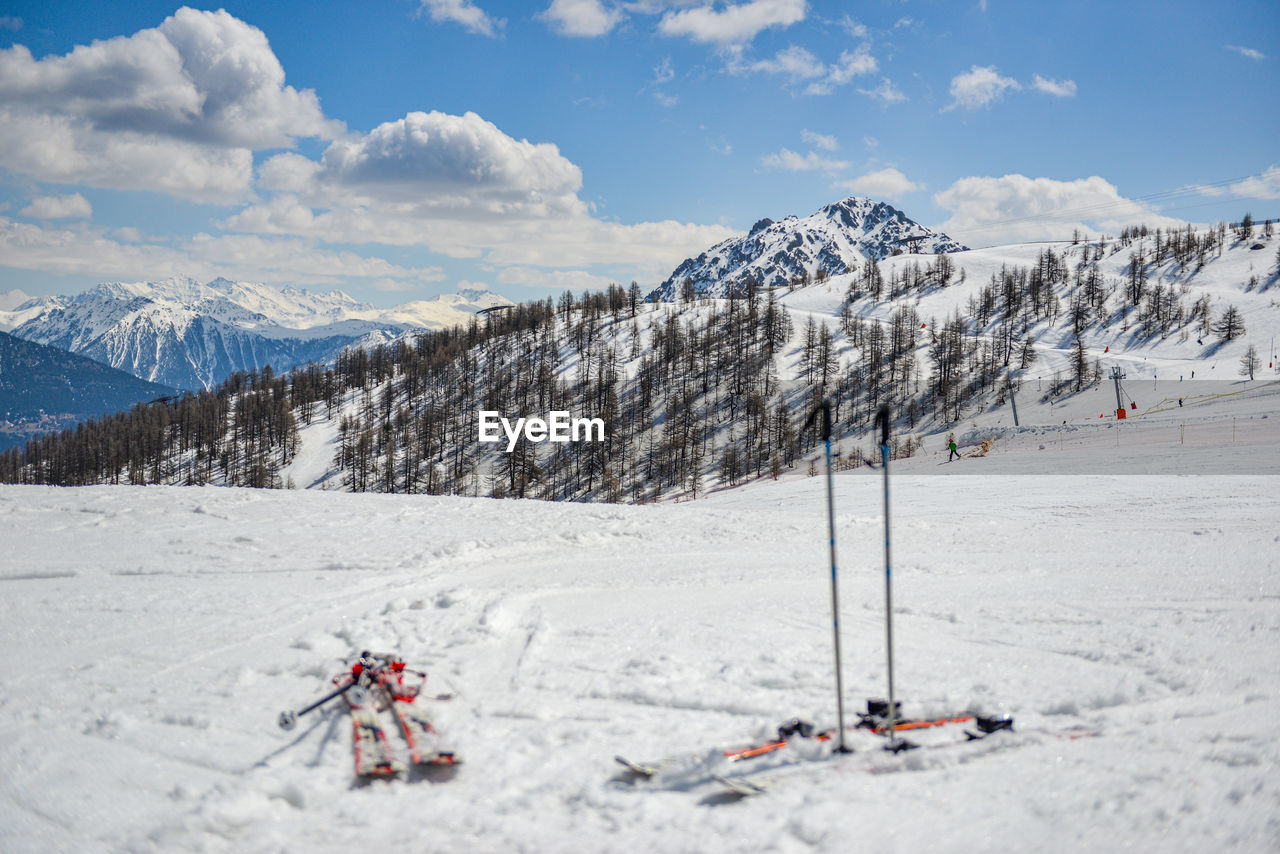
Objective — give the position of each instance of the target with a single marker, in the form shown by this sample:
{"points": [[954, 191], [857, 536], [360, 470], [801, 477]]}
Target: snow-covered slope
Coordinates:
{"points": [[153, 634], [830, 240], [9, 300], [1226, 279], [183, 333]]}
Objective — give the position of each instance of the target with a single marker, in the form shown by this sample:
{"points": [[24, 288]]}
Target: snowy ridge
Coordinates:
{"points": [[188, 334], [830, 240]]}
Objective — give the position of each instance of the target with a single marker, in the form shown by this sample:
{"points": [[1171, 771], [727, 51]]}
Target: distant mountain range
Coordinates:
{"points": [[181, 333], [831, 240], [44, 388]]}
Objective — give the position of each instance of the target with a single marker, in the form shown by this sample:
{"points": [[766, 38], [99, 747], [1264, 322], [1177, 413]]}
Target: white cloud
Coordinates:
{"points": [[845, 69], [854, 28], [459, 186], [735, 25], [883, 184], [585, 18], [886, 93], [987, 211], [793, 162], [979, 87], [74, 206], [1264, 186], [1249, 52], [88, 251], [573, 280], [1057, 88], [818, 140], [470, 16], [795, 62], [663, 72], [871, 143], [434, 160], [10, 23], [799, 65], [176, 109], [666, 100]]}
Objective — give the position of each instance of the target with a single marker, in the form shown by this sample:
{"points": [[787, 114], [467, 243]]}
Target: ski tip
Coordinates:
{"points": [[741, 787], [635, 768]]}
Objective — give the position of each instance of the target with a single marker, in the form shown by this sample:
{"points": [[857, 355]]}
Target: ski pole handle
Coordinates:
{"points": [[882, 421], [288, 719], [824, 407]]}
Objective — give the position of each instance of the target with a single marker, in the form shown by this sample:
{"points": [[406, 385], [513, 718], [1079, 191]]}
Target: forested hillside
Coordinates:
{"points": [[703, 392]]}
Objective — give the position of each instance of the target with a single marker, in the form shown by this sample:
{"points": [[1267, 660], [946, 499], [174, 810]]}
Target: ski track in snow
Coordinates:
{"points": [[151, 635]]}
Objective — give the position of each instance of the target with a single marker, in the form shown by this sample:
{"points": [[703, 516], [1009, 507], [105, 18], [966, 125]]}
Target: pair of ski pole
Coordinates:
{"points": [[882, 424]]}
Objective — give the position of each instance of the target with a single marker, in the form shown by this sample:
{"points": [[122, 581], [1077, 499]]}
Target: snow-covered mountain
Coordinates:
{"points": [[830, 240], [186, 334], [10, 300]]}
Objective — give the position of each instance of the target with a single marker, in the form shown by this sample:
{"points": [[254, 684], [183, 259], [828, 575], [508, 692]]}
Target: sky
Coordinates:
{"points": [[400, 149]]}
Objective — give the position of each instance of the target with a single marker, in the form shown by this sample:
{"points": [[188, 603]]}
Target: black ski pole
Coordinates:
{"points": [[825, 408], [882, 421], [288, 720]]}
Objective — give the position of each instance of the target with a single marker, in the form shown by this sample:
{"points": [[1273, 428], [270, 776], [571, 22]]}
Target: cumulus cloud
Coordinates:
{"points": [[463, 12], [987, 211], [979, 87], [733, 26], [849, 65], [1057, 88], [795, 62], [74, 206], [886, 93], [459, 186], [793, 162], [854, 28], [800, 65], [886, 183], [584, 18], [435, 160], [825, 142], [1249, 52], [178, 109]]}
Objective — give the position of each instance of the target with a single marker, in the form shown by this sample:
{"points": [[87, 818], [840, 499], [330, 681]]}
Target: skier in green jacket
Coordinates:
{"points": [[951, 443]]}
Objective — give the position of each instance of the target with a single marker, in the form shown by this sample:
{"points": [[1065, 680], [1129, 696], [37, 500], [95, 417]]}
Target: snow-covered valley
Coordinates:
{"points": [[151, 636]]}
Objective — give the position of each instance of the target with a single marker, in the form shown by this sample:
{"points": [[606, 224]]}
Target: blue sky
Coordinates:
{"points": [[399, 149]]}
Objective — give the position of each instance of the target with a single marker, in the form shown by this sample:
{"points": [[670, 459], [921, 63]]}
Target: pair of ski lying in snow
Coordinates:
{"points": [[374, 684], [736, 768]]}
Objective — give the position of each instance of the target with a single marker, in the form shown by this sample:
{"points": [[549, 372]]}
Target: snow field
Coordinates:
{"points": [[153, 634]]}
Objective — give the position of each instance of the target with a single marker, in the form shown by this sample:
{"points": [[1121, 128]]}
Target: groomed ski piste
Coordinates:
{"points": [[151, 636]]}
